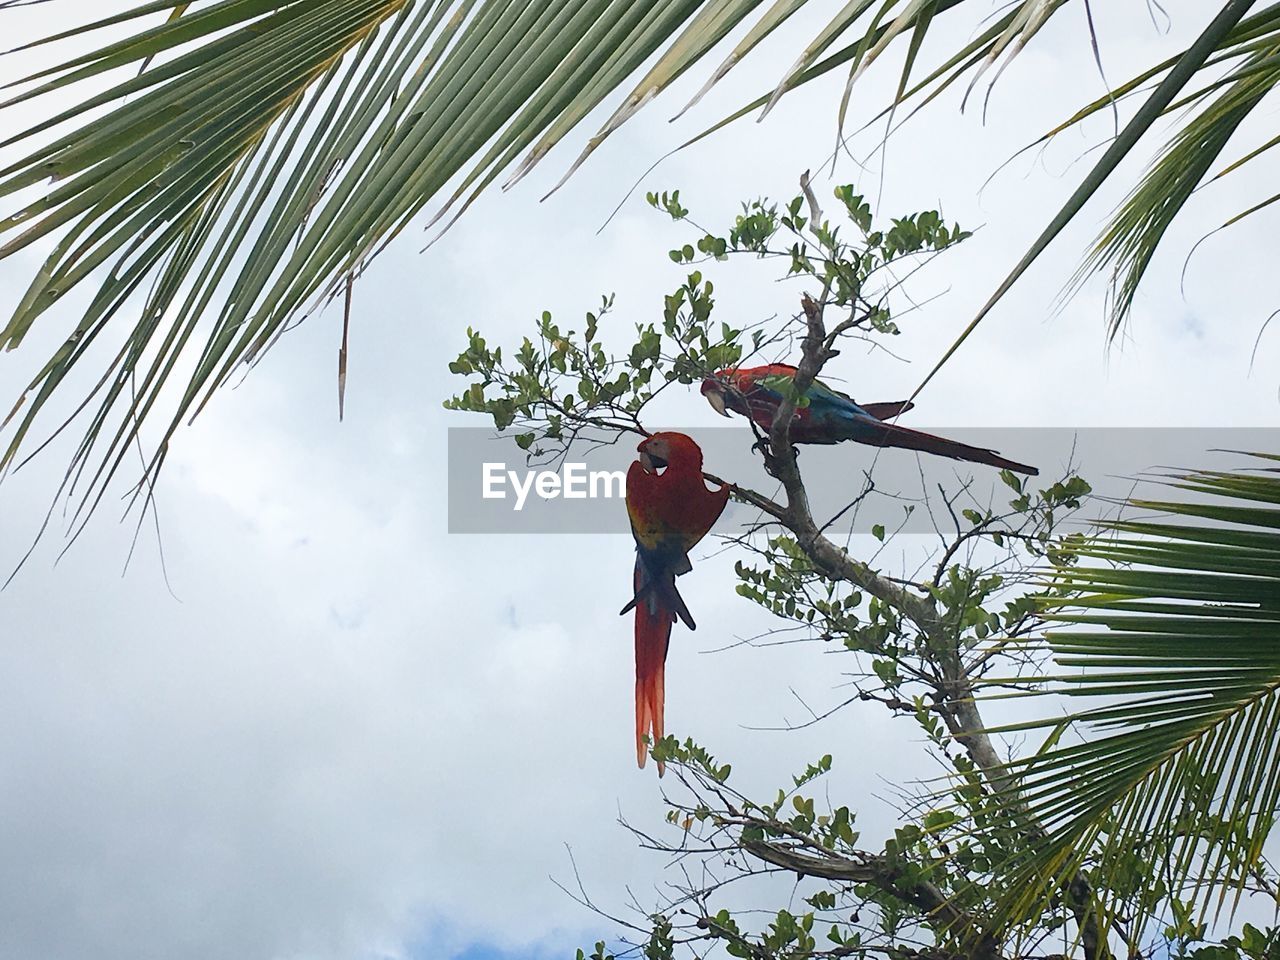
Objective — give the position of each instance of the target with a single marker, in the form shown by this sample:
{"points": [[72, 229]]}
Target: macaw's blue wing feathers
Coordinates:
{"points": [[825, 415]]}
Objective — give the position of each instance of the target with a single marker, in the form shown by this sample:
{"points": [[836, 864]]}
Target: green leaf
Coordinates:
{"points": [[1218, 30], [266, 152], [1168, 630]]}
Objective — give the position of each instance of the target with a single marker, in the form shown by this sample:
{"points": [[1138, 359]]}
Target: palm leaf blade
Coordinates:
{"points": [[1177, 646]]}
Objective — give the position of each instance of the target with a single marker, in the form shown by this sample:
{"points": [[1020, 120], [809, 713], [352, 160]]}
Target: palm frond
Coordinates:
{"points": [[1171, 631], [268, 149], [1135, 232], [262, 158], [257, 154], [1182, 72]]}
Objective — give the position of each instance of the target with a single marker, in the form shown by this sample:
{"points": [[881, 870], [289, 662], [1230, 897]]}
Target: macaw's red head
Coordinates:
{"points": [[719, 391], [669, 449]]}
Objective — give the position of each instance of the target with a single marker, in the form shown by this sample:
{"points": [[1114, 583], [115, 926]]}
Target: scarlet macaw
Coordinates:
{"points": [[671, 509], [828, 416]]}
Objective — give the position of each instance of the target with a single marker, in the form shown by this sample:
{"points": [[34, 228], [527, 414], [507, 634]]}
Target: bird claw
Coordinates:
{"points": [[762, 447]]}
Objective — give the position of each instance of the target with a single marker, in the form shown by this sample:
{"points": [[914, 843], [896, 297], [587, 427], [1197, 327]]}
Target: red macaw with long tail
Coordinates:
{"points": [[829, 416], [671, 509]]}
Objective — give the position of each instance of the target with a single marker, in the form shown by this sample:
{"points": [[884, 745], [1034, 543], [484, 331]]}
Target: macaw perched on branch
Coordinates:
{"points": [[828, 416], [671, 509]]}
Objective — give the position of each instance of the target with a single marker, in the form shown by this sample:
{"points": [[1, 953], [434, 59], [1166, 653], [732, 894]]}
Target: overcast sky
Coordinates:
{"points": [[347, 734]]}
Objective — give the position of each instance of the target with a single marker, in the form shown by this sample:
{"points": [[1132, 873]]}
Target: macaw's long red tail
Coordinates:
{"points": [[653, 633], [892, 435]]}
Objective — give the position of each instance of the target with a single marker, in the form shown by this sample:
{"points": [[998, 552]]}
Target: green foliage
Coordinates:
{"points": [[1173, 623], [565, 380], [599, 953], [975, 604], [209, 224], [1136, 231], [1169, 627], [1127, 245], [815, 246], [1250, 944]]}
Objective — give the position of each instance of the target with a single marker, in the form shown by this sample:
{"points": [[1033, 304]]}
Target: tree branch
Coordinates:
{"points": [[956, 702], [829, 558], [876, 870]]}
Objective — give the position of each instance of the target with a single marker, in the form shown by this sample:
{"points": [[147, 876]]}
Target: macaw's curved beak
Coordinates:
{"points": [[715, 397], [651, 463]]}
